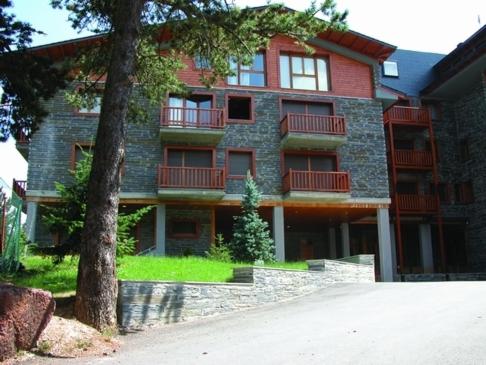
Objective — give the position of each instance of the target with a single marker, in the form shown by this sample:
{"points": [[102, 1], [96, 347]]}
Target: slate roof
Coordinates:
{"points": [[415, 70]]}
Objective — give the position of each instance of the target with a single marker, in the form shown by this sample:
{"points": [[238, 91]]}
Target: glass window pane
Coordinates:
{"points": [[319, 109], [244, 79], [232, 80], [233, 64], [174, 158], [304, 82], [297, 65], [198, 159], [322, 163], [258, 63], [257, 80], [309, 66], [284, 72], [293, 107], [239, 163], [296, 162], [176, 102], [322, 75]]}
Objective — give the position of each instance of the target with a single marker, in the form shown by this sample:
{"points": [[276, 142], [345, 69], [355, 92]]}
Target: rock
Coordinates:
{"points": [[7, 339], [24, 313]]}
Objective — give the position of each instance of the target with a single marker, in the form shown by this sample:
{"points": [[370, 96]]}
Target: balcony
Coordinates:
{"points": [[312, 131], [19, 187], [409, 159], [198, 126], [198, 183], [416, 203], [22, 144], [406, 115], [316, 185]]}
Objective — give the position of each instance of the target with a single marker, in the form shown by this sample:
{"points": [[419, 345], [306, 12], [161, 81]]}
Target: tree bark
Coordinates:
{"points": [[96, 283]]}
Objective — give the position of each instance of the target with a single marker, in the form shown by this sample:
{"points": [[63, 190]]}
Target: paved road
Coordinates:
{"points": [[401, 323]]}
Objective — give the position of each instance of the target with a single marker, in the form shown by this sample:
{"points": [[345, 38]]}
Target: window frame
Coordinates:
{"points": [[171, 233], [99, 93], [466, 192], [240, 96], [251, 151], [315, 57], [74, 147], [195, 93], [390, 63], [187, 148], [331, 154], [239, 71]]}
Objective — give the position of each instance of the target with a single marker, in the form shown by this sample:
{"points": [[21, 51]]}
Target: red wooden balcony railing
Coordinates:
{"points": [[413, 159], [191, 177], [19, 187], [314, 124], [407, 114], [192, 118], [22, 138], [416, 202], [334, 182]]}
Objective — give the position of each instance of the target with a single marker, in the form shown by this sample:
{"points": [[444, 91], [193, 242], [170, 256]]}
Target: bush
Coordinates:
{"points": [[219, 250]]}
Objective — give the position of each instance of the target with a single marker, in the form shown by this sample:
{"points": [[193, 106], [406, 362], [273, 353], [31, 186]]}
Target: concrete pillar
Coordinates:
{"points": [[384, 243], [31, 221], [427, 253], [393, 248], [332, 243], [345, 239], [279, 233], [160, 230]]}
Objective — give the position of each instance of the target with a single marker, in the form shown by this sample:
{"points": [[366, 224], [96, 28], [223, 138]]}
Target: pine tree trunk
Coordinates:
{"points": [[96, 284]]}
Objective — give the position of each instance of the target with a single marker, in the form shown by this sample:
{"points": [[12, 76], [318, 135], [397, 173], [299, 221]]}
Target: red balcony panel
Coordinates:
{"points": [[191, 177], [314, 124], [22, 138], [19, 187], [333, 182], [407, 115], [192, 118], [416, 202], [413, 159]]}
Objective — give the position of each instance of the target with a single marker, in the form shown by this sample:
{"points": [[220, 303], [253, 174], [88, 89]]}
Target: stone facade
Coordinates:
{"points": [[145, 303]]}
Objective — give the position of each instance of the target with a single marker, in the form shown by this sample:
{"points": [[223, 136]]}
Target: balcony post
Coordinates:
{"points": [[30, 223], [384, 243], [279, 233], [345, 239], [426, 251], [160, 230]]}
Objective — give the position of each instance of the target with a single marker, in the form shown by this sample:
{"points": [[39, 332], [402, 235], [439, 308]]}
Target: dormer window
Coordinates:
{"points": [[304, 73], [390, 68], [252, 75]]}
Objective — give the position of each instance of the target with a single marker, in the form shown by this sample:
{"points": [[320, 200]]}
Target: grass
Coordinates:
{"points": [[60, 279]]}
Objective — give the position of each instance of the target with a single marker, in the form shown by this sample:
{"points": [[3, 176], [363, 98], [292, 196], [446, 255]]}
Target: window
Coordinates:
{"points": [[404, 144], [239, 162], [252, 75], [189, 158], [301, 107], [464, 150], [240, 109], [464, 193], [95, 109], [390, 68], [194, 110], [180, 228], [306, 73], [407, 187], [79, 151], [314, 162], [202, 63]]}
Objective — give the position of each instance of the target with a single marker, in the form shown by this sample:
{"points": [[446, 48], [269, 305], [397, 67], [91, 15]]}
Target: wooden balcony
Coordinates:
{"points": [[405, 115], [198, 183], [415, 203], [410, 159], [199, 126], [312, 131], [316, 185], [19, 187]]}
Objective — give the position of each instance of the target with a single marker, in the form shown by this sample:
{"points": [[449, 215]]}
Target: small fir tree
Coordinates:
{"points": [[251, 238]]}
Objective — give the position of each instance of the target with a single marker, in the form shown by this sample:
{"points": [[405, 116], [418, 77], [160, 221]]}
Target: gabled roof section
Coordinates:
{"points": [[415, 71], [469, 58]]}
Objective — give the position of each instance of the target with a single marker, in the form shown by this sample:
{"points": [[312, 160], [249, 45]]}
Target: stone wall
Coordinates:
{"points": [[142, 303]]}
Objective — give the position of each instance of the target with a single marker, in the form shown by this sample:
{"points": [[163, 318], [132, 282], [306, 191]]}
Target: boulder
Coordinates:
{"points": [[24, 313]]}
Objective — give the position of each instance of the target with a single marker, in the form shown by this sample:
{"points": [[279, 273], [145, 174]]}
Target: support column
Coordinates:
{"points": [[393, 248], [345, 239], [332, 243], [426, 251], [30, 223], [384, 243], [279, 233], [160, 230]]}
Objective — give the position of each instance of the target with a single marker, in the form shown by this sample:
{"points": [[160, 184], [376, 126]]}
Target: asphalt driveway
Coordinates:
{"points": [[385, 323]]}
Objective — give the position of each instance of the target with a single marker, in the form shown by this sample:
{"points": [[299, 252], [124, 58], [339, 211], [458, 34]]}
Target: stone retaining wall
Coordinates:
{"points": [[142, 303]]}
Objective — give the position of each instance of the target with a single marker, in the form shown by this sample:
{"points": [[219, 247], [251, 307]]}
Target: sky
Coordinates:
{"points": [[423, 25]]}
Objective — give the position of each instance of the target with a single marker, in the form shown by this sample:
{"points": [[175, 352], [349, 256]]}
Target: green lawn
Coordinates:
{"points": [[42, 273]]}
